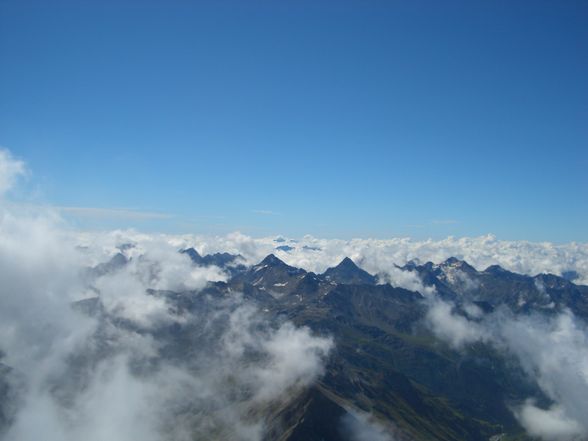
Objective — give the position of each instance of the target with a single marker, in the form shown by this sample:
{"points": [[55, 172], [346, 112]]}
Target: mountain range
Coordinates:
{"points": [[388, 365]]}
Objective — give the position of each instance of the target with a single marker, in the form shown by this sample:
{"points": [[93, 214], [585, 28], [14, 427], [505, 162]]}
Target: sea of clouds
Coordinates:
{"points": [[377, 256], [44, 268], [70, 375]]}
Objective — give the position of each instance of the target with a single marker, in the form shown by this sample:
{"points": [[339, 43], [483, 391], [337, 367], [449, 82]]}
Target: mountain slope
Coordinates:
{"points": [[347, 272]]}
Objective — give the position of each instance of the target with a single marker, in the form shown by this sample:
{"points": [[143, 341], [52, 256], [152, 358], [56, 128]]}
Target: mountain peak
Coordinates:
{"points": [[457, 263], [347, 272], [272, 275], [452, 261], [347, 263], [116, 262], [495, 269], [272, 260], [193, 254]]}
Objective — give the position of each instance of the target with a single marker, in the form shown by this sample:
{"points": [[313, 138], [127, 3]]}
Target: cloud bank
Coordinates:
{"points": [[10, 170], [382, 256], [92, 348], [552, 352]]}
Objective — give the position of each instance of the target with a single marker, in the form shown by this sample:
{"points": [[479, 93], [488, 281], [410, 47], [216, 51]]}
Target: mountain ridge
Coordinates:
{"points": [[386, 362]]}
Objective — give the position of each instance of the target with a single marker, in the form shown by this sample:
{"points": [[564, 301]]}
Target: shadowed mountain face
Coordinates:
{"points": [[496, 286], [221, 260], [270, 275], [231, 263], [389, 377], [116, 262], [348, 273], [388, 364]]}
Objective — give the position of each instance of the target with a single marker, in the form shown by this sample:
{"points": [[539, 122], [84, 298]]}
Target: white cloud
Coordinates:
{"points": [[381, 256], [39, 269], [112, 213], [453, 328], [405, 279], [42, 267], [552, 351], [549, 424], [360, 426], [10, 170], [295, 360], [95, 379]]}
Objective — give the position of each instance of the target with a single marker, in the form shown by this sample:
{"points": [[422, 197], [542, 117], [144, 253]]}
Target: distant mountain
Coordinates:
{"points": [[459, 281], [194, 255], [231, 262], [271, 275], [347, 272], [116, 262]]}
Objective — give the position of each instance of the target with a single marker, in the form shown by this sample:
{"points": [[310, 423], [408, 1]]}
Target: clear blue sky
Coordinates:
{"points": [[333, 118]]}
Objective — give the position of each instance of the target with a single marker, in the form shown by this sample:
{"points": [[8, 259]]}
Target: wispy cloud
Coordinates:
{"points": [[444, 221], [113, 213], [266, 212], [10, 170]]}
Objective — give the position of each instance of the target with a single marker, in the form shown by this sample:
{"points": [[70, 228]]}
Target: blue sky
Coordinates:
{"points": [[337, 119]]}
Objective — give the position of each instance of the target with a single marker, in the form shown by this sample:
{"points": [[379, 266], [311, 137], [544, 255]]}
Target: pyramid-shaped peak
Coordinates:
{"points": [[347, 272], [272, 260], [347, 263], [190, 250]]}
